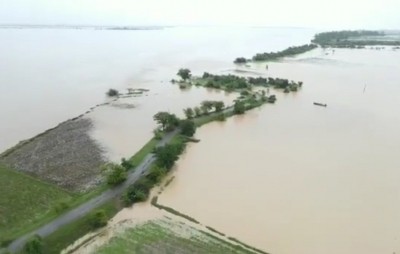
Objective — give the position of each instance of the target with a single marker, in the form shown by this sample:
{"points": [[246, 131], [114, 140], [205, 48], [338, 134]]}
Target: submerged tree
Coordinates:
{"points": [[112, 92], [184, 74]]}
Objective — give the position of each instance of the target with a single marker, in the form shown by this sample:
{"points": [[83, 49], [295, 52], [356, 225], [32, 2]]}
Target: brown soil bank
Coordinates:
{"points": [[64, 155]]}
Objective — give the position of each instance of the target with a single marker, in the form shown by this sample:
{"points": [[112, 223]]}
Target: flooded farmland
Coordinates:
{"points": [[297, 178]]}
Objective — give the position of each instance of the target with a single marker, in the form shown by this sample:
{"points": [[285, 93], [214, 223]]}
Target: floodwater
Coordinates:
{"points": [[288, 178], [122, 132], [50, 75], [298, 178]]}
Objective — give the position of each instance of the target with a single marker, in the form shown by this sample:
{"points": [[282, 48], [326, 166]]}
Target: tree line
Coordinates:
{"points": [[352, 39], [205, 107]]}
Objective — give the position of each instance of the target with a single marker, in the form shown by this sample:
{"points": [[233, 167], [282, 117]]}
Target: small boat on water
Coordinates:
{"points": [[320, 104]]}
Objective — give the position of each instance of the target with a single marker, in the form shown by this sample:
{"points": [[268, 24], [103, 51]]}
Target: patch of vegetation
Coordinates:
{"points": [[167, 121], [166, 156], [240, 60], [352, 39], [115, 174], [239, 84], [25, 201], [239, 107], [205, 108], [184, 74], [98, 219], [71, 232], [225, 82], [163, 236], [291, 51], [112, 92], [188, 128], [34, 245]]}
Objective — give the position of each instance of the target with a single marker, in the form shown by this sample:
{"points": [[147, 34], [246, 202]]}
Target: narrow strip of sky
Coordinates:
{"points": [[294, 13]]}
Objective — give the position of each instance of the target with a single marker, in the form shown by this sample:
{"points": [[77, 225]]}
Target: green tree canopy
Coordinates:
{"points": [[184, 73], [189, 113], [239, 107], [34, 245], [188, 128], [167, 121], [115, 173]]}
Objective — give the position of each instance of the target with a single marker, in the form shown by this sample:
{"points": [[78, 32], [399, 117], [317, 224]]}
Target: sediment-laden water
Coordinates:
{"points": [[298, 178]]}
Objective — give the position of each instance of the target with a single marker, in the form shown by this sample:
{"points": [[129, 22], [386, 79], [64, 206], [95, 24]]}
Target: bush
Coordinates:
{"points": [[6, 242], [239, 107], [138, 192], [115, 173], [98, 219], [221, 117], [61, 207], [34, 245], [126, 164], [112, 92], [188, 128], [240, 60]]}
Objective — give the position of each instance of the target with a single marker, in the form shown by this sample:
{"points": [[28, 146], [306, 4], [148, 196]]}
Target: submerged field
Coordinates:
{"points": [[23, 200]]}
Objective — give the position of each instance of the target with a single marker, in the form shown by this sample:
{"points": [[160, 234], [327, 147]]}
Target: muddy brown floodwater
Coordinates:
{"points": [[298, 178]]}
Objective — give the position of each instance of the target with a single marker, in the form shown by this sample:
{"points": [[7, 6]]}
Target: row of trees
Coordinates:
{"points": [[275, 82], [352, 39], [291, 51], [205, 108], [168, 122], [166, 156], [228, 82]]}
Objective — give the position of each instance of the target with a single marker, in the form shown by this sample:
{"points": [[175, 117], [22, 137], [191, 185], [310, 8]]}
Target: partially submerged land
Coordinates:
{"points": [[334, 39], [273, 56], [60, 156], [56, 157], [167, 236], [356, 39]]}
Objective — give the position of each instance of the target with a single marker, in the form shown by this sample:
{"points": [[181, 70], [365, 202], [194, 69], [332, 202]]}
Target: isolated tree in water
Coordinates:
{"points": [[184, 74]]}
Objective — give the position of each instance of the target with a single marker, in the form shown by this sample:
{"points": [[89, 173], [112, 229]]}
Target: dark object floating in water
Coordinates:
{"points": [[320, 104]]}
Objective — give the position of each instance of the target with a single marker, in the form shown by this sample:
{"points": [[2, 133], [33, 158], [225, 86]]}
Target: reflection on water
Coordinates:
{"points": [[297, 178]]}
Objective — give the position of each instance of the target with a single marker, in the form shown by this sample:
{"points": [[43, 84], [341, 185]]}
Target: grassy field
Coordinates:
{"points": [[164, 236], [24, 201], [143, 152], [66, 235]]}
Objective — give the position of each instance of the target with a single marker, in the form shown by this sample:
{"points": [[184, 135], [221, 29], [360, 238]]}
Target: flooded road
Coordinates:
{"points": [[298, 178]]}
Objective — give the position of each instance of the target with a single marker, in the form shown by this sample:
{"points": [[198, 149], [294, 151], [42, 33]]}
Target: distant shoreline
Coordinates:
{"points": [[82, 27]]}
